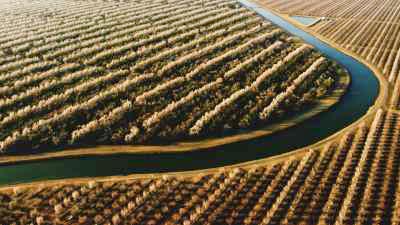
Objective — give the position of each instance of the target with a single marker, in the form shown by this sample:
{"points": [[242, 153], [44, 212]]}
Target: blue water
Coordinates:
{"points": [[304, 20], [360, 96]]}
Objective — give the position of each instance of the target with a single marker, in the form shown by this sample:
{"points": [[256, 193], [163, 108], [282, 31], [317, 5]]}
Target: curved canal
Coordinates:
{"points": [[355, 103]]}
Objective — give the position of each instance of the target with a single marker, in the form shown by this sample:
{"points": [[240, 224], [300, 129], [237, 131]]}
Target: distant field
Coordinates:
{"points": [[369, 28], [78, 73]]}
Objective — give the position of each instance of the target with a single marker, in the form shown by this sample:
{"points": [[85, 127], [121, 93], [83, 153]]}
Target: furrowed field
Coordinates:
{"points": [[368, 28], [76, 73]]}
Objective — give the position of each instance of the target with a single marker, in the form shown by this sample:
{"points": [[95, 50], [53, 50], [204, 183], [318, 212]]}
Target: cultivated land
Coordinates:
{"points": [[368, 28], [354, 181], [78, 73], [350, 179]]}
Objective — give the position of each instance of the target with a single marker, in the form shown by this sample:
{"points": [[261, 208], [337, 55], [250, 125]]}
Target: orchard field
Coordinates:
{"points": [[137, 72], [368, 28], [354, 180], [76, 73]]}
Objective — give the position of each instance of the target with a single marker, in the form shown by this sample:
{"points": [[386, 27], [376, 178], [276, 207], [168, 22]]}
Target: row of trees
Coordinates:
{"points": [[321, 187], [128, 88]]}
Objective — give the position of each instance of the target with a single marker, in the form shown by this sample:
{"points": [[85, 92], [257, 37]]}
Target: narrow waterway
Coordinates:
{"points": [[306, 21], [355, 103]]}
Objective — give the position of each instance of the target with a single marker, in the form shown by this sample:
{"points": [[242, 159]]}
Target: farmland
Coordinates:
{"points": [[366, 28], [84, 73], [352, 181], [76, 73]]}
